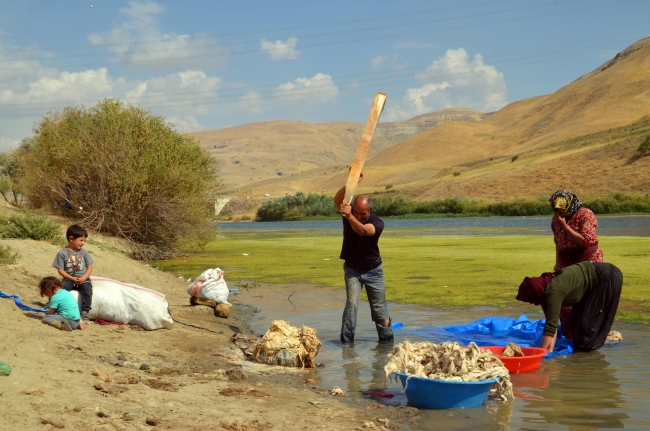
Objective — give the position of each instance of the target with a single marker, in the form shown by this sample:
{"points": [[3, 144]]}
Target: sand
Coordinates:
{"points": [[78, 380]]}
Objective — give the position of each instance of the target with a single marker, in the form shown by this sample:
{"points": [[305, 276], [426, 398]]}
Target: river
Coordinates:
{"points": [[620, 225]]}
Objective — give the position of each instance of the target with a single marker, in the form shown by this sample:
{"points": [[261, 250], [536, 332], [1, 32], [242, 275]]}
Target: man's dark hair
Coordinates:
{"points": [[75, 231], [50, 283]]}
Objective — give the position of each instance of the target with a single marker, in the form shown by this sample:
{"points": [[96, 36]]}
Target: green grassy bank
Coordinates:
{"points": [[438, 271]]}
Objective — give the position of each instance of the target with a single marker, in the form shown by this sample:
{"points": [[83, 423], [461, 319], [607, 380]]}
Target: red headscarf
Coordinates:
{"points": [[533, 289]]}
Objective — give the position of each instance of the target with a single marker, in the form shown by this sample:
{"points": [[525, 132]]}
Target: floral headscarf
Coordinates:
{"points": [[567, 202], [533, 289]]}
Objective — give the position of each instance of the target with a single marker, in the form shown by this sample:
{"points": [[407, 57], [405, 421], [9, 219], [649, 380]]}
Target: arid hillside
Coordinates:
{"points": [[583, 137], [252, 155]]}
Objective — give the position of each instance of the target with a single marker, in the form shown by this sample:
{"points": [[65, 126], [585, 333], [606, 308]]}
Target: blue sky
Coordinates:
{"points": [[212, 64]]}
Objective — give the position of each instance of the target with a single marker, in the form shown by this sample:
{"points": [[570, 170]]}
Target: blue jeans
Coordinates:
{"points": [[85, 291], [373, 280]]}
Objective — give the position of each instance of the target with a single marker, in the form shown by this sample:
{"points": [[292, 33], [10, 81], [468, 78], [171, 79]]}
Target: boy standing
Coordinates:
{"points": [[75, 265], [61, 302]]}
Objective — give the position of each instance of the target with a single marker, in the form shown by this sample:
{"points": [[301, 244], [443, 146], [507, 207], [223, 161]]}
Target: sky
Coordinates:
{"points": [[208, 64]]}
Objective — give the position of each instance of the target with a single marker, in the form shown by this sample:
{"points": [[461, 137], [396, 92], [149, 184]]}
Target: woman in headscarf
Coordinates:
{"points": [[574, 231], [592, 289]]}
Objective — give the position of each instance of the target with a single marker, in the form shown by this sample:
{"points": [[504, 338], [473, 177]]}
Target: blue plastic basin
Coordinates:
{"points": [[443, 394]]}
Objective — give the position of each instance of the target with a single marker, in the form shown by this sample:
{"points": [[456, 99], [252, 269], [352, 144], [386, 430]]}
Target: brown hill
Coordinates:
{"points": [[256, 156], [582, 137]]}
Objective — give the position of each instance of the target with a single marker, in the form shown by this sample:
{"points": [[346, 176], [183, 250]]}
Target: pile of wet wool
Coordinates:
{"points": [[450, 361], [288, 346]]}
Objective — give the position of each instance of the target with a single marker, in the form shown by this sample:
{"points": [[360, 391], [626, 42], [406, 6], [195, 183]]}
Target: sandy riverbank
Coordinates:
{"points": [[53, 382]]}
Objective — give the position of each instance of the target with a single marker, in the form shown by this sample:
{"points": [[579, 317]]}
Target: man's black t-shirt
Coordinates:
{"points": [[361, 252]]}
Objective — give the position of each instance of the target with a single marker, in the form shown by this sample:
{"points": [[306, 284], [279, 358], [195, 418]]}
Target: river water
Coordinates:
{"points": [[632, 225], [605, 389]]}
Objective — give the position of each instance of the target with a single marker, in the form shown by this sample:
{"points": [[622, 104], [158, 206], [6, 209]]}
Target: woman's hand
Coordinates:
{"points": [[561, 221], [548, 342]]}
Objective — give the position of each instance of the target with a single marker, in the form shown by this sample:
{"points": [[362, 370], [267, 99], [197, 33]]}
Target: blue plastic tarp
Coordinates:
{"points": [[496, 331], [21, 305]]}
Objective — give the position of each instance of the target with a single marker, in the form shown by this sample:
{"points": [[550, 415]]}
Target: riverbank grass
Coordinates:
{"points": [[430, 270]]}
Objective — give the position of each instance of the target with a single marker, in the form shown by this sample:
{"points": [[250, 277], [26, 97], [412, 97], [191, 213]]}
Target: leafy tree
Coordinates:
{"points": [[8, 164], [122, 171]]}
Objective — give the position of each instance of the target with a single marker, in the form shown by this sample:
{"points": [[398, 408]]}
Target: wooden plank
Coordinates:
{"points": [[364, 145]]}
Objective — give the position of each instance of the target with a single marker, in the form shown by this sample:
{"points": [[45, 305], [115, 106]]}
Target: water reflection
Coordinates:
{"points": [[583, 394], [606, 389], [355, 367]]}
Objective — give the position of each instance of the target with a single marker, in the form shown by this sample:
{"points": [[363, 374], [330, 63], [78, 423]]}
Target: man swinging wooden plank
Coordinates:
{"points": [[360, 250]]}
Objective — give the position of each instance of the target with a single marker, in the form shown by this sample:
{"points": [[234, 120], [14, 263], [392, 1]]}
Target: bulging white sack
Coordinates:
{"points": [[210, 285], [115, 301]]}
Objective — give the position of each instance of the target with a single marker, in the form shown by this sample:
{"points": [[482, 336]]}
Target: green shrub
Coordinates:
{"points": [[31, 226], [301, 205], [514, 158], [7, 257], [123, 172], [292, 207], [389, 186]]}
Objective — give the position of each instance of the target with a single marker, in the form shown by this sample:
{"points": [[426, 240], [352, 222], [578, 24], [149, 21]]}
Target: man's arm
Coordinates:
{"points": [[340, 195], [356, 225]]}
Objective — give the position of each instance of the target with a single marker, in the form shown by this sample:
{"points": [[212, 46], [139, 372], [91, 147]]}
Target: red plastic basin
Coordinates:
{"points": [[530, 361]]}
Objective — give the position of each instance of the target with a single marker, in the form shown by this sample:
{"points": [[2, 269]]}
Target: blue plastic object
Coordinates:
{"points": [[496, 331], [234, 290], [21, 305], [398, 325], [443, 394]]}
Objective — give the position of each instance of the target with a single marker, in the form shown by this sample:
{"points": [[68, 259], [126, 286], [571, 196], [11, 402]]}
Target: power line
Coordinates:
{"points": [[396, 79], [401, 72], [309, 26], [313, 45]]}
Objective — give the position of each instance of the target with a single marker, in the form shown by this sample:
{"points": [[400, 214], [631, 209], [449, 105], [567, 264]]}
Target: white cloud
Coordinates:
{"points": [[401, 66], [50, 86], [185, 123], [453, 80], [249, 103], [28, 90], [379, 61], [280, 50], [71, 86], [139, 43], [190, 91], [354, 85], [318, 89]]}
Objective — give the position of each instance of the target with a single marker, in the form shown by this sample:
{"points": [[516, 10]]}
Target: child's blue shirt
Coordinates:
{"points": [[64, 303]]}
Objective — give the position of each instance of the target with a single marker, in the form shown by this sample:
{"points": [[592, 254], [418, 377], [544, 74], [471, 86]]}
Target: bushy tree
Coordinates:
{"points": [[120, 170], [8, 185]]}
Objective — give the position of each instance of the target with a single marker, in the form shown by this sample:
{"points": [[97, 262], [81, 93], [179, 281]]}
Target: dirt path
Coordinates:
{"points": [[122, 378]]}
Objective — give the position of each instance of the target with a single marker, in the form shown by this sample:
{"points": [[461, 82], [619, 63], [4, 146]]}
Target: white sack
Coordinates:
{"points": [[210, 285], [115, 301]]}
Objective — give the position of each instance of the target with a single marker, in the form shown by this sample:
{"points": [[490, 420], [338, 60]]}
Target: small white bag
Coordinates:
{"points": [[210, 285]]}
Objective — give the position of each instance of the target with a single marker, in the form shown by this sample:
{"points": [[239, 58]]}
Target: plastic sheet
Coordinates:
{"points": [[496, 331], [21, 305]]}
